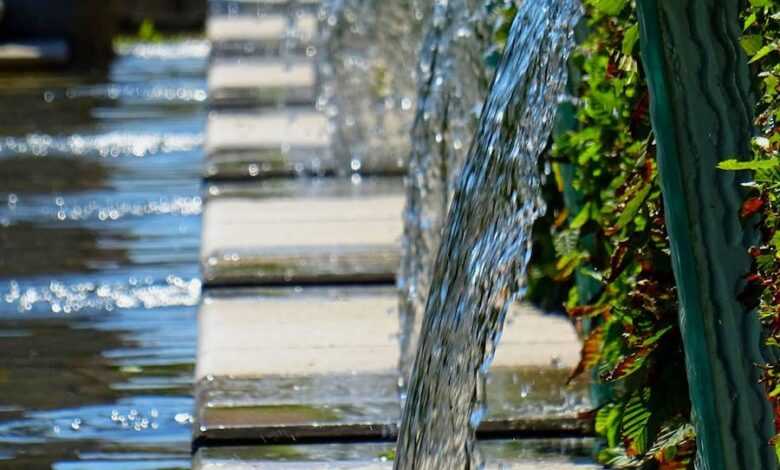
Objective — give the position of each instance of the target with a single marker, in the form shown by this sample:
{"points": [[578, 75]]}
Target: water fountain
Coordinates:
{"points": [[365, 66], [480, 265], [453, 82]]}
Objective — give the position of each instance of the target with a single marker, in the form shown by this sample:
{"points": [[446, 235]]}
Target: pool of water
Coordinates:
{"points": [[99, 234]]}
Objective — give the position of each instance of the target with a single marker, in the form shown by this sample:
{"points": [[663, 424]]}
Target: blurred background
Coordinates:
{"points": [[102, 108]]}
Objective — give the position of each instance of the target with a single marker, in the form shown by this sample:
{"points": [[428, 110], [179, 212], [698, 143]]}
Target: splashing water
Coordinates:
{"points": [[453, 83], [486, 244], [366, 92]]}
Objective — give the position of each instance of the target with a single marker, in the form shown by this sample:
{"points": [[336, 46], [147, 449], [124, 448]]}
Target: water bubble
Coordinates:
{"points": [[183, 418]]}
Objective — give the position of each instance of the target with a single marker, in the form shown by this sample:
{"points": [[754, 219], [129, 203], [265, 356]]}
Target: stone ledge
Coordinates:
{"points": [[34, 53]]}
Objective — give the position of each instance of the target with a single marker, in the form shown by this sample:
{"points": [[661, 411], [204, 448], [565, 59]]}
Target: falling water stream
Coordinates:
{"points": [[486, 243], [453, 82]]}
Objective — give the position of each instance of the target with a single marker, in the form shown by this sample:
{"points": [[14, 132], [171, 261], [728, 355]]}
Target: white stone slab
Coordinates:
{"points": [[43, 52], [551, 454], [534, 339], [322, 334], [246, 225], [268, 28], [286, 130], [297, 336], [260, 74], [271, 465], [549, 464]]}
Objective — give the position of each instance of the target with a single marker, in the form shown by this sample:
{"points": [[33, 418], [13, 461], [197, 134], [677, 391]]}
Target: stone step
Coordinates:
{"points": [[272, 143], [537, 454], [321, 364], [270, 34], [294, 141], [320, 230], [40, 53], [262, 82], [253, 7]]}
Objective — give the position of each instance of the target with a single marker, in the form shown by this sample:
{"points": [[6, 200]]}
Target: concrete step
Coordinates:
{"points": [[262, 82], [302, 231], [253, 7], [537, 454], [294, 141], [270, 34], [38, 53], [321, 365], [272, 143]]}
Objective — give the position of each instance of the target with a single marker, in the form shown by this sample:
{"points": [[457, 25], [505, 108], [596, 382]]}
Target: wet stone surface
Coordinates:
{"points": [[543, 454], [524, 402], [261, 82], [318, 365], [302, 231]]}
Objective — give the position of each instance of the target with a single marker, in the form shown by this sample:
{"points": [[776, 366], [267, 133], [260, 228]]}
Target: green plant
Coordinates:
{"points": [[147, 32], [617, 239], [761, 41]]}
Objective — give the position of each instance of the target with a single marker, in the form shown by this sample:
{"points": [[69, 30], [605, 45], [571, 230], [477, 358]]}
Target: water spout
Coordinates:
{"points": [[486, 243], [453, 83]]}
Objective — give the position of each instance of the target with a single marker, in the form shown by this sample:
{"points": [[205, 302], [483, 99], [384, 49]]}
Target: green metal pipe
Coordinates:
{"points": [[702, 113]]}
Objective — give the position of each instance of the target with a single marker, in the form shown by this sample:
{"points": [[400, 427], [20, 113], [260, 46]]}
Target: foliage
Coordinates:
{"points": [[611, 242], [761, 41], [147, 32], [609, 247]]}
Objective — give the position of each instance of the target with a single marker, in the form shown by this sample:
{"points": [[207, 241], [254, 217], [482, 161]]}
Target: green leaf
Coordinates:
{"points": [[760, 3], [609, 7], [630, 38], [633, 206], [735, 165], [750, 21], [777, 448], [752, 43], [776, 241], [608, 424], [636, 416], [763, 52], [582, 217]]}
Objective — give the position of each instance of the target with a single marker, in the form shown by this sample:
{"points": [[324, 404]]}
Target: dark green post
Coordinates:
{"points": [[702, 113]]}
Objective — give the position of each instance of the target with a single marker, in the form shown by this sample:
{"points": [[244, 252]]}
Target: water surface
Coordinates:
{"points": [[99, 235]]}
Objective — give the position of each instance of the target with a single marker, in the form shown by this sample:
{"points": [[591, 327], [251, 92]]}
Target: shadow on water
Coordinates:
{"points": [[99, 237]]}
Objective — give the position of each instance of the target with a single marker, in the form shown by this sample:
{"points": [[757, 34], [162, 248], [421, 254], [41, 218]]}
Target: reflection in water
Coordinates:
{"points": [[30, 248], [99, 234], [52, 174]]}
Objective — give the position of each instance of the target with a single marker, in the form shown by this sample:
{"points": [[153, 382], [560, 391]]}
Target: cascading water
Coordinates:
{"points": [[486, 244], [453, 83], [367, 79]]}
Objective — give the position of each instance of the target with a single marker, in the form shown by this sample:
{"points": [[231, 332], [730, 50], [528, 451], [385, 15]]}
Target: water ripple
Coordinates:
{"points": [[61, 298]]}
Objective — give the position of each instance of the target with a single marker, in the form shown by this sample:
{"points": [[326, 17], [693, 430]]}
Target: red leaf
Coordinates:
{"points": [[612, 69], [683, 456], [751, 206], [587, 310], [627, 365], [617, 261], [590, 354]]}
